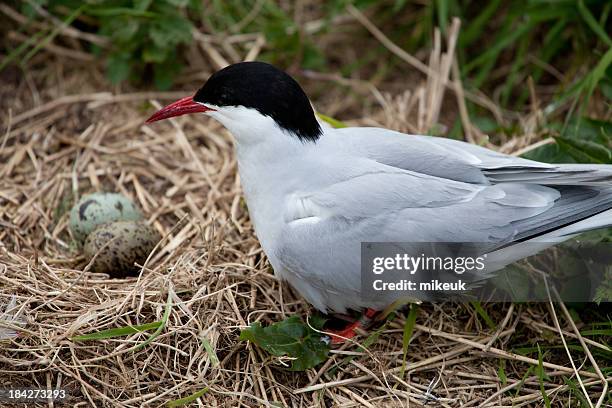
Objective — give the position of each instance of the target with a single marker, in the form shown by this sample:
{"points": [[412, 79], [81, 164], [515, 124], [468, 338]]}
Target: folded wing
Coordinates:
{"points": [[456, 160]]}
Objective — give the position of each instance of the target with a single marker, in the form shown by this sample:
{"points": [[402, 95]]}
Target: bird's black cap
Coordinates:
{"points": [[266, 88]]}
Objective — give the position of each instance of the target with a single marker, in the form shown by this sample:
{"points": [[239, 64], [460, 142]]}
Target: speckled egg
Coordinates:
{"points": [[128, 242], [97, 209]]}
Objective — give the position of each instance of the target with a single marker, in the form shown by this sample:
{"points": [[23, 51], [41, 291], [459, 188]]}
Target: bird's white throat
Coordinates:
{"points": [[252, 129], [265, 153]]}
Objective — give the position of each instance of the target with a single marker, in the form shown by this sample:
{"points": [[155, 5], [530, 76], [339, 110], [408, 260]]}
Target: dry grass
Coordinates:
{"points": [[209, 272]]}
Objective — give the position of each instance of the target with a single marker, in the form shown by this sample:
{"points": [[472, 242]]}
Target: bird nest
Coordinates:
{"points": [[208, 278]]}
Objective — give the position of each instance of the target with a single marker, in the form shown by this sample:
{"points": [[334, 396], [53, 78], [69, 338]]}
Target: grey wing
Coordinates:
{"points": [[457, 160], [320, 248]]}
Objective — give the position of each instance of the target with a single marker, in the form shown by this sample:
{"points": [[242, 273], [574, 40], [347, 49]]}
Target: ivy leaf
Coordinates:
{"points": [[117, 68], [125, 30], [165, 72], [290, 337], [578, 129], [585, 151], [550, 153], [171, 31], [154, 54]]}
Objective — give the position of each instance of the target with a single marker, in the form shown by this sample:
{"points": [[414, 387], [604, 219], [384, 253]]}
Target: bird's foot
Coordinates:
{"points": [[339, 336]]}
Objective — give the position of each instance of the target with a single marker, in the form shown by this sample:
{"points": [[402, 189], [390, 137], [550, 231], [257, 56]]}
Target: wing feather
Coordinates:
{"points": [[460, 161]]}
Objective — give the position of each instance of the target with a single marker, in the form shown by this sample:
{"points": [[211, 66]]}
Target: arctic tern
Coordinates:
{"points": [[314, 193]]}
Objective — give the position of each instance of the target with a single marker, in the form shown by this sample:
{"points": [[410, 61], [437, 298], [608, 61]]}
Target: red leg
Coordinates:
{"points": [[340, 336]]}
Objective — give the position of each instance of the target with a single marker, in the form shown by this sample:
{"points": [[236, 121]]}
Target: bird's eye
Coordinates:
{"points": [[223, 98]]}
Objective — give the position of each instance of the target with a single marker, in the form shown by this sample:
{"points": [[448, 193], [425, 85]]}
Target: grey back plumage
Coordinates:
{"points": [[391, 187]]}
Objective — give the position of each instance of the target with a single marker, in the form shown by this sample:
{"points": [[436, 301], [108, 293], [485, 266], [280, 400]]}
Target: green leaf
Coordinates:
{"points": [[576, 392], [164, 73], [501, 372], [485, 123], [333, 122], [126, 30], [597, 74], [606, 88], [121, 11], [474, 30], [127, 330], [20, 49], [585, 129], [593, 24], [442, 12], [597, 332], [290, 337], [117, 332], [28, 10], [522, 382], [483, 314], [170, 31], [163, 322], [190, 398], [142, 5], [585, 151], [41, 44], [541, 377], [118, 68], [312, 57], [590, 129], [408, 330], [212, 356], [154, 54], [178, 3]]}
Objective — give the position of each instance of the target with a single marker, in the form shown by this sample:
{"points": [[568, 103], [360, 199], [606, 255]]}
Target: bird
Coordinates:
{"points": [[314, 193]]}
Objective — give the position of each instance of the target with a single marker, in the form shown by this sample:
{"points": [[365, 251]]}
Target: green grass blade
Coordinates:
{"points": [[475, 27], [20, 49], [553, 43], [599, 72], [408, 331], [605, 13], [163, 322], [501, 372], [214, 360], [442, 8], [574, 389], [597, 332], [333, 122], [541, 377], [584, 86], [121, 11], [593, 24], [487, 60], [484, 315], [522, 382], [53, 33], [519, 62], [190, 398], [117, 332]]}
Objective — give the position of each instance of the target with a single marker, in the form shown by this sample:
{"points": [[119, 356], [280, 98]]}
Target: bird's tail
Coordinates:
{"points": [[505, 256], [562, 174]]}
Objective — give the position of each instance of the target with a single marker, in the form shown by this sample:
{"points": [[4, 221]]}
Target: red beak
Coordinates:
{"points": [[181, 107]]}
